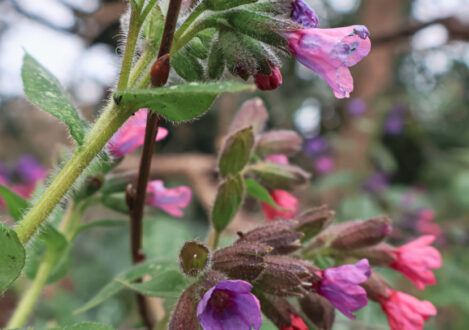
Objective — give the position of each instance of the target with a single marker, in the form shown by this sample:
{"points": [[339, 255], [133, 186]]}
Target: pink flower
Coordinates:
{"points": [[416, 260], [341, 287], [278, 159], [329, 53], [324, 164], [132, 134], [297, 323], [268, 82], [170, 200], [405, 311], [286, 201]]}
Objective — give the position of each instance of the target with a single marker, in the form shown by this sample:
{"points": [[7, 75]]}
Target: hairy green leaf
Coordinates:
{"points": [[12, 256], [254, 189], [229, 198], [236, 152], [180, 102], [45, 91]]}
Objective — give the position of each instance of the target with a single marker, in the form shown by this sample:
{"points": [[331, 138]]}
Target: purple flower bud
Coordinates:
{"points": [[341, 287], [394, 122], [302, 13], [230, 305], [315, 146], [29, 170], [376, 183], [356, 107], [324, 165], [319, 310]]}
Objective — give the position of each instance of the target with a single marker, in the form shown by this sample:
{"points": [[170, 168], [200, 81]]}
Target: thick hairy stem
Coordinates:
{"points": [[107, 124], [192, 17], [136, 197]]}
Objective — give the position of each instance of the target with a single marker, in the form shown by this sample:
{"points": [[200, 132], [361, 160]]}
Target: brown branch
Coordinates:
{"points": [[136, 197], [456, 30]]}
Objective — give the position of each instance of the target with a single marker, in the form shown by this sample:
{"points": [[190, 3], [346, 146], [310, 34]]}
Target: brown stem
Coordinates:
{"points": [[135, 197]]}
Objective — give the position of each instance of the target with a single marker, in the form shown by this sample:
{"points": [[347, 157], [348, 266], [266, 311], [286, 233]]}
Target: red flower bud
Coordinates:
{"points": [[268, 82]]}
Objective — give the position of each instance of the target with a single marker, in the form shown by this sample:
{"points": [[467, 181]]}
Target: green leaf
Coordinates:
{"points": [[12, 256], [236, 152], [187, 66], [179, 102], [87, 326], [154, 268], [163, 284], [154, 25], [16, 205], [229, 198], [115, 202], [254, 189], [45, 91]]}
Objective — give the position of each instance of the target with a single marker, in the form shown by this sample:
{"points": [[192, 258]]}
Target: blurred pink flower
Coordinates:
{"points": [[278, 159], [170, 200], [283, 199], [324, 164], [297, 323], [341, 287], [132, 134], [329, 53], [416, 259], [267, 82], [405, 311]]}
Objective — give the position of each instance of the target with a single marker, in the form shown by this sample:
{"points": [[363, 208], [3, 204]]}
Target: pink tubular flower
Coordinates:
{"points": [[170, 200], [230, 305], [329, 53], [268, 82], [285, 200], [278, 159], [132, 134], [416, 260], [297, 323], [405, 311], [341, 287]]}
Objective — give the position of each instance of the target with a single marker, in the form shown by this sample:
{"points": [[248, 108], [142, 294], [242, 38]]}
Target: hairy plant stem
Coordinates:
{"points": [[192, 17], [135, 197], [189, 34]]}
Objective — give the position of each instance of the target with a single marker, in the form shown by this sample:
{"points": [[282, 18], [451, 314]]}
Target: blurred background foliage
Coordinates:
{"points": [[400, 146]]}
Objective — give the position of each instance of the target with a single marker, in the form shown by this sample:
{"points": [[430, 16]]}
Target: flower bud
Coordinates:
{"points": [[284, 275], [280, 176], [277, 309], [284, 142], [184, 316], [93, 183], [268, 82], [243, 261], [376, 287], [381, 254], [160, 71], [362, 234], [312, 221], [319, 310], [278, 234], [252, 113], [194, 258]]}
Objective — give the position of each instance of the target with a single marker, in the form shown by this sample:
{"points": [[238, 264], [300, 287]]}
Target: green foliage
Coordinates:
{"points": [[254, 189], [12, 256], [218, 5], [87, 326], [45, 91], [157, 269], [180, 102], [154, 26], [229, 198], [236, 152], [216, 61], [16, 205], [187, 66]]}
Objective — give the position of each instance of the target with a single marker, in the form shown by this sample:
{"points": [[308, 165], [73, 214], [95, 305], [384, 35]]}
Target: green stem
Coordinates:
{"points": [[29, 299], [192, 17], [216, 239], [107, 124], [142, 63], [188, 35], [132, 37]]}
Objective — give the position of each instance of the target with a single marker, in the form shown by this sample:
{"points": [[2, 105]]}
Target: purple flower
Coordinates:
{"points": [[341, 287], [4, 174], [394, 122], [29, 170], [132, 134], [356, 107], [376, 183], [230, 305], [303, 14], [329, 53], [315, 146], [170, 200], [324, 164]]}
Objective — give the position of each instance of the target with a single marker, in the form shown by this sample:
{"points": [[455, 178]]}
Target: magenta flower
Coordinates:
{"points": [[230, 305], [416, 260], [341, 287], [303, 14], [405, 311], [286, 201], [324, 164], [132, 134], [268, 82], [329, 53], [170, 200]]}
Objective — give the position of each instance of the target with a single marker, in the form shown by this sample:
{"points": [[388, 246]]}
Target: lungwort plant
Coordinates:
{"points": [[295, 269]]}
